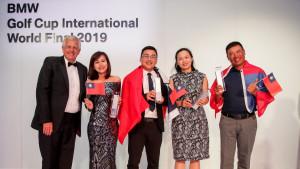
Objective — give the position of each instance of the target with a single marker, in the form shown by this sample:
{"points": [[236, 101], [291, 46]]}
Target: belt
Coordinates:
{"points": [[149, 119], [239, 116]]}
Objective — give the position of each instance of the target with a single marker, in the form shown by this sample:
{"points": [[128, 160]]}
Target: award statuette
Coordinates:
{"points": [[158, 89], [219, 77], [203, 95], [114, 105]]}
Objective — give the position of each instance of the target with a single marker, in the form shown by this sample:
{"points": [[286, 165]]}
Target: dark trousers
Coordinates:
{"points": [[145, 134], [57, 149]]}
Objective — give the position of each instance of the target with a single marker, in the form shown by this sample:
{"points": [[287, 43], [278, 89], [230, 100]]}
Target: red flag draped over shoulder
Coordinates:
{"points": [[133, 102], [263, 98], [216, 106]]}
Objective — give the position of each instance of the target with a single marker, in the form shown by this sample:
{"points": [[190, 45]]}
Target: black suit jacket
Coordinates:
{"points": [[52, 93], [164, 91]]}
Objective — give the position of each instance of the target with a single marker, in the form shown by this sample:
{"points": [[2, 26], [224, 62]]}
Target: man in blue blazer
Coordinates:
{"points": [[59, 94]]}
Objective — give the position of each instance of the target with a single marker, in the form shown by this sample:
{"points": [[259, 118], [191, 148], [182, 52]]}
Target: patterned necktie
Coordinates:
{"points": [[151, 103]]}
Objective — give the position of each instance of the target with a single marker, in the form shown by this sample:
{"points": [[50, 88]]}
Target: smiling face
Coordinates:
{"points": [[236, 56], [184, 61], [100, 65], [71, 50], [148, 60]]}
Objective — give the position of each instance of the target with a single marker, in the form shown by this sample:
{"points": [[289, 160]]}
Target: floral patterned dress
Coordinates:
{"points": [[190, 135]]}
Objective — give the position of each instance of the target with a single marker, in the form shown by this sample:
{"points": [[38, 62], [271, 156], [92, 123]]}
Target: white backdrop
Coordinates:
{"points": [[269, 31]]}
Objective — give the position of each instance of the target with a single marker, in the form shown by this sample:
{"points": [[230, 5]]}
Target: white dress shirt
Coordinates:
{"points": [[74, 89], [148, 112]]}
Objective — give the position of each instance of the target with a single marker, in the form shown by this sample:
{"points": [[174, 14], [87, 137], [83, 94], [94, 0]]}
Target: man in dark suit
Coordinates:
{"points": [[59, 94], [141, 113]]}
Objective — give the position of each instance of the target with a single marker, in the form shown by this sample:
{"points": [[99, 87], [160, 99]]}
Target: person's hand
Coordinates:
{"points": [[160, 102], [119, 101], [48, 128], [187, 103], [252, 88], [219, 90], [89, 104], [200, 102], [151, 95]]}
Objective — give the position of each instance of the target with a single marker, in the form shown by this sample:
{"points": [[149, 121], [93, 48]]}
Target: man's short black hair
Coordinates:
{"points": [[148, 47], [232, 44]]}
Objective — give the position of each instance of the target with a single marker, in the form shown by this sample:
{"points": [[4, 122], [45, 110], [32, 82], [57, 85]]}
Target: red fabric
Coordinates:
{"points": [[176, 94], [95, 88], [213, 104], [164, 109], [133, 103], [272, 85], [262, 98]]}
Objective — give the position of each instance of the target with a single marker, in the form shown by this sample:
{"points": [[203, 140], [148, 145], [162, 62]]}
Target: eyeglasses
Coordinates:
{"points": [[146, 56]]}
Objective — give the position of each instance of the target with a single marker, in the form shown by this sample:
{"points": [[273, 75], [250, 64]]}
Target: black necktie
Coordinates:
{"points": [[74, 64], [151, 103]]}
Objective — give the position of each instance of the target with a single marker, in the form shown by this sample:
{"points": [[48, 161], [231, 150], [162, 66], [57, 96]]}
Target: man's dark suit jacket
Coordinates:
{"points": [[52, 93]]}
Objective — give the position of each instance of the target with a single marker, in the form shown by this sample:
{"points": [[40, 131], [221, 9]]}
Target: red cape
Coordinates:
{"points": [[133, 102], [263, 98]]}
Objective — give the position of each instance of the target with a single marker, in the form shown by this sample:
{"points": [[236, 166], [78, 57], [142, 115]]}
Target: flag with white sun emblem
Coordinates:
{"points": [[272, 84]]}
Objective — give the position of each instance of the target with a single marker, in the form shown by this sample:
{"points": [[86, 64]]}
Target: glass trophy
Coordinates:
{"points": [[203, 95], [219, 77], [157, 89], [114, 105]]}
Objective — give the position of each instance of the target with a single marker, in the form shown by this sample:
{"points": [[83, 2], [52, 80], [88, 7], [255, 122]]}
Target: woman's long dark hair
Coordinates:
{"points": [[93, 74], [178, 69]]}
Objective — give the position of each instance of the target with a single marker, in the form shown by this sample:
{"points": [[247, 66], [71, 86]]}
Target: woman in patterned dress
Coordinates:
{"points": [[190, 136], [102, 129]]}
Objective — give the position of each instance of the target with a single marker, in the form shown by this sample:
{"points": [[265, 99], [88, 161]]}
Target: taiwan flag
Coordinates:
{"points": [[95, 88], [172, 108], [272, 85], [177, 92]]}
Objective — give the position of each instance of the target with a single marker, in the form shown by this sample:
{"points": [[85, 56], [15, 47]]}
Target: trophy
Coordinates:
{"points": [[158, 89], [219, 77], [203, 95], [114, 105]]}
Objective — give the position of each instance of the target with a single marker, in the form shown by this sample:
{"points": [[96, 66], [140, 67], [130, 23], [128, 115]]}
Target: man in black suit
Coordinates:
{"points": [[142, 111], [59, 94]]}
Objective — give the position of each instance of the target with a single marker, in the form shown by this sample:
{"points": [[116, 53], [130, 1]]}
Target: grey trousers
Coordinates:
{"points": [[237, 133]]}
